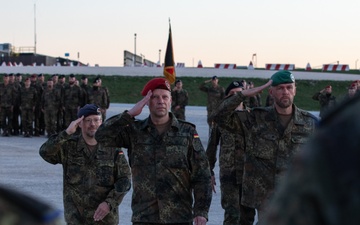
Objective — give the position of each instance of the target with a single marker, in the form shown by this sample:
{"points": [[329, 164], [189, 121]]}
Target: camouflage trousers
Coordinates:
{"points": [[179, 114], [27, 119], [70, 115], [50, 116], [6, 119], [235, 213]]}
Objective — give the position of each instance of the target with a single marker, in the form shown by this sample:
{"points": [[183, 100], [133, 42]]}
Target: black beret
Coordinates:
{"points": [[11, 74], [156, 83], [97, 79], [83, 77], [232, 85], [214, 77], [72, 75], [177, 81], [88, 110], [18, 74], [61, 76], [40, 75]]}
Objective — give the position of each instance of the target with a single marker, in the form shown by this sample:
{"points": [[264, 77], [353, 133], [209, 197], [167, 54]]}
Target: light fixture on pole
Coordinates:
{"points": [[159, 57], [134, 49]]}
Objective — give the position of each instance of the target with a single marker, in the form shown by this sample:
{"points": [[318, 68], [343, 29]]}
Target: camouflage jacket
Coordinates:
{"points": [[7, 95], [179, 98], [72, 96], [28, 98], [90, 178], [326, 102], [50, 100], [214, 96], [268, 150], [167, 170], [231, 156], [98, 97], [322, 185]]}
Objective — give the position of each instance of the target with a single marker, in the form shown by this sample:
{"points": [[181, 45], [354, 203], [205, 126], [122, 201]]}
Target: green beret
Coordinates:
{"points": [[282, 77]]}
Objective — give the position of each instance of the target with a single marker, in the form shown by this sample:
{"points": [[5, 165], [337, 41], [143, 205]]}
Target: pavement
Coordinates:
{"points": [[24, 170]]}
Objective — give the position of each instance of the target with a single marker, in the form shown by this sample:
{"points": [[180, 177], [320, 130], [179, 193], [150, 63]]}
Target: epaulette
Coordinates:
{"points": [[187, 122], [306, 113]]}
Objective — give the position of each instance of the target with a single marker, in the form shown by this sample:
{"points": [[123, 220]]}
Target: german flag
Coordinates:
{"points": [[169, 67]]}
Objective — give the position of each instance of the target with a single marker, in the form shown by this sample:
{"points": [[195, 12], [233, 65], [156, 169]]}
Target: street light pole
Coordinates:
{"points": [[134, 49], [356, 63], [159, 57]]}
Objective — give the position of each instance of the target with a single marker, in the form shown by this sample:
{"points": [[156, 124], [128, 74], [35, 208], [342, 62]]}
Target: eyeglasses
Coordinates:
{"points": [[90, 121]]}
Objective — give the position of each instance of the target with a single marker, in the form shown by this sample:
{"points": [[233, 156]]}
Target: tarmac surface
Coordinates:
{"points": [[22, 169]]}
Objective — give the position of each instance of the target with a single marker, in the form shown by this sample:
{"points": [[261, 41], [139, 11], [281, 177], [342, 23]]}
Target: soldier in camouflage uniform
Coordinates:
{"points": [[16, 109], [28, 101], [273, 135], [326, 100], [98, 96], [231, 163], [43, 84], [85, 88], [72, 100], [59, 84], [37, 112], [96, 177], [168, 162], [50, 103], [107, 94], [7, 101], [179, 100], [323, 185], [215, 94]]}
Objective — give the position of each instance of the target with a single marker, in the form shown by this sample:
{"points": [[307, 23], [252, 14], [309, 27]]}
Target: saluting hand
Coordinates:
{"points": [[136, 110], [254, 91], [73, 126]]}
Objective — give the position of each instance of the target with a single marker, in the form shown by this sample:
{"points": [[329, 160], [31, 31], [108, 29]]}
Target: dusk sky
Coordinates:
{"points": [[229, 31]]}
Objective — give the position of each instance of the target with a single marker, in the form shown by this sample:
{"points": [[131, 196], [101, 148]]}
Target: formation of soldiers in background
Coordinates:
{"points": [[35, 107]]}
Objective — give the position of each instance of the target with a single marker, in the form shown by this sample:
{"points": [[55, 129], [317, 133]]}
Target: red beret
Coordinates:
{"points": [[156, 83]]}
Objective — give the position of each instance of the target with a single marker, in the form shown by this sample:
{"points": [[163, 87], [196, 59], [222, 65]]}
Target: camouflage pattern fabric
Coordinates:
{"points": [[16, 109], [269, 151], [179, 98], [168, 170], [90, 178], [231, 163], [50, 103], [7, 101], [98, 96], [327, 101], [214, 96], [28, 100], [72, 102], [322, 186], [37, 112]]}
